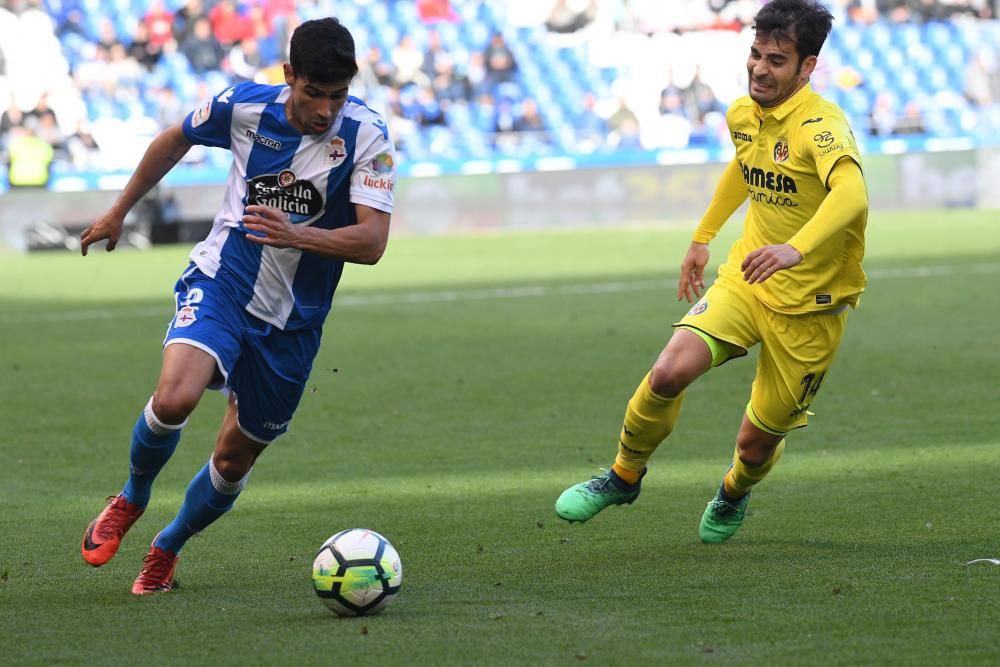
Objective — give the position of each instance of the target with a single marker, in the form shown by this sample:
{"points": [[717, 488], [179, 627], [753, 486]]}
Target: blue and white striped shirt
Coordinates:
{"points": [[316, 179]]}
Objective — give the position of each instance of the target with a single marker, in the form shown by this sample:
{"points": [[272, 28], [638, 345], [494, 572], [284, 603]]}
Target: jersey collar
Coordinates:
{"points": [[786, 107]]}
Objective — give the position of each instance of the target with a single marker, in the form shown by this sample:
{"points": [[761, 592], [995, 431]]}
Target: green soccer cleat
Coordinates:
{"points": [[722, 518], [583, 501]]}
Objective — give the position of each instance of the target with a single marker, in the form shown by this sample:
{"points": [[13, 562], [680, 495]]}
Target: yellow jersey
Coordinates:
{"points": [[786, 154]]}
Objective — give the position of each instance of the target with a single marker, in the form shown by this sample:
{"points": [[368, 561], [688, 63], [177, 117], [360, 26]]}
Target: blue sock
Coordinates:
{"points": [[153, 442], [208, 497]]}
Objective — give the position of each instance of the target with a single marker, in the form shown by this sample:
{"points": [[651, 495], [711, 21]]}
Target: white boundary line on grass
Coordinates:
{"points": [[530, 291]]}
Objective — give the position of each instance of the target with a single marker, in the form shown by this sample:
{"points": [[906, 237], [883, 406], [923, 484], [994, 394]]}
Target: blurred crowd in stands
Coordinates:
{"points": [[84, 84]]}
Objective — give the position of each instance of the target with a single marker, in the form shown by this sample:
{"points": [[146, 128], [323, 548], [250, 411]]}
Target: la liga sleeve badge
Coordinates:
{"points": [[201, 114]]}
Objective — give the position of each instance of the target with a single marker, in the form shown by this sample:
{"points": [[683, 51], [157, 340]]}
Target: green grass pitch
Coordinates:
{"points": [[463, 383]]}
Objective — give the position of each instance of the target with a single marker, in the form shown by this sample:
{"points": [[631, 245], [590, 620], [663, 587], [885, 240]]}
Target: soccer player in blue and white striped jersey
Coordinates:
{"points": [[310, 188]]}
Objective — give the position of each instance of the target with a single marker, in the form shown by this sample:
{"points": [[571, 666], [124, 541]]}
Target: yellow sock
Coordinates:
{"points": [[741, 477], [649, 419]]}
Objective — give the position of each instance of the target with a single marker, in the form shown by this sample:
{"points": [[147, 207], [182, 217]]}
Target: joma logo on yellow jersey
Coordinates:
{"points": [[775, 182]]}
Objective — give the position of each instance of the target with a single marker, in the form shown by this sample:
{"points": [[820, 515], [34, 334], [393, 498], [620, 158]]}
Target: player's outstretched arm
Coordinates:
{"points": [[163, 153], [363, 243], [693, 272]]}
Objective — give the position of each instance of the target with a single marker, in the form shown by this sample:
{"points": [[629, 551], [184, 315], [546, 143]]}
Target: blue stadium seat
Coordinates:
{"points": [[100, 107], [893, 58], [849, 37], [971, 35], [482, 118], [449, 35], [459, 116], [906, 78], [857, 102], [405, 12], [92, 24], [905, 35], [861, 59], [348, 14], [377, 13], [877, 78], [920, 55], [57, 10], [877, 37], [954, 55], [476, 35], [935, 78], [939, 35], [388, 37]]}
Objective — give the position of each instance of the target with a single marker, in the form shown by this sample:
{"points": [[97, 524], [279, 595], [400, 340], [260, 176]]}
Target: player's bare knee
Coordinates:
{"points": [[685, 358], [669, 379], [665, 383], [173, 405], [233, 464], [756, 448]]}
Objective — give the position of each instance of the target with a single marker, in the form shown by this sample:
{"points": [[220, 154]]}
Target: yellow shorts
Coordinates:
{"points": [[795, 350]]}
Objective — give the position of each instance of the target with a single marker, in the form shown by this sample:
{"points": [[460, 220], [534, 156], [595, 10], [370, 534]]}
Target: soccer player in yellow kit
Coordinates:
{"points": [[787, 283]]}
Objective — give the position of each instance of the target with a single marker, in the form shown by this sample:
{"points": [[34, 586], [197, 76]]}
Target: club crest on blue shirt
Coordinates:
{"points": [[185, 317], [335, 151], [781, 150]]}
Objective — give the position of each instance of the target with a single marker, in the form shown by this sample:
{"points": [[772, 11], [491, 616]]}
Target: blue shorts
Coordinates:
{"points": [[265, 367]]}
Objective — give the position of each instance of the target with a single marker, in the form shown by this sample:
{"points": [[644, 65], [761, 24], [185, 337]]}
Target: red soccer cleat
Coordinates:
{"points": [[104, 534], [157, 574]]}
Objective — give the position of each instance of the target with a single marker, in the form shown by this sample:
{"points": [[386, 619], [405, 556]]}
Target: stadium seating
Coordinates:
{"points": [[918, 69]]}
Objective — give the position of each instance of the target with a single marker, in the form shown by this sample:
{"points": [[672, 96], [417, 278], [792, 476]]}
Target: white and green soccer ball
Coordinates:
{"points": [[357, 572]]}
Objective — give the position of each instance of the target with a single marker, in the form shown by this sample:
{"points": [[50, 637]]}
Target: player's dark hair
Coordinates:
{"points": [[806, 23], [322, 50]]}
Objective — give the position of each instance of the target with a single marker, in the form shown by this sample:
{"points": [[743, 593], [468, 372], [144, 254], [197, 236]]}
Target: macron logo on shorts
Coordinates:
{"points": [[274, 426]]}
